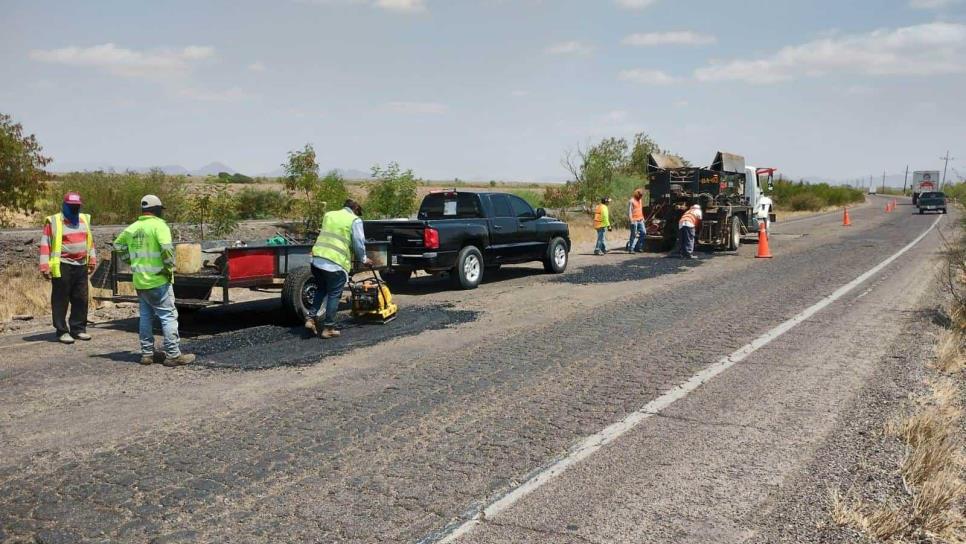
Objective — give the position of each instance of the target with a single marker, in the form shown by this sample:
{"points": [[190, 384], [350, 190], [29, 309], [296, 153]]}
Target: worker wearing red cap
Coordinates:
{"points": [[67, 257]]}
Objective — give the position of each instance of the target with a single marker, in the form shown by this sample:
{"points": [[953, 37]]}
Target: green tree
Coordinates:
{"points": [[217, 211], [317, 195], [21, 170], [393, 193]]}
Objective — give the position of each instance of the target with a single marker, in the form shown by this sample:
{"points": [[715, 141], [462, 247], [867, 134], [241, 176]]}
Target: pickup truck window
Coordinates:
{"points": [[501, 206], [520, 207], [933, 195], [450, 206]]}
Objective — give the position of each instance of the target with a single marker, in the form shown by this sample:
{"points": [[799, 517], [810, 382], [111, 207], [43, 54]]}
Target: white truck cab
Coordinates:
{"points": [[758, 181]]}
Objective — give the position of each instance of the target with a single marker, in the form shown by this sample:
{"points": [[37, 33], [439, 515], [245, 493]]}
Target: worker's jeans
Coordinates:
{"points": [[686, 239], [159, 302], [329, 286], [69, 289], [637, 231], [601, 247]]}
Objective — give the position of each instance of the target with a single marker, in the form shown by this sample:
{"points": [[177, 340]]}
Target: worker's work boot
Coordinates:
{"points": [[310, 325], [147, 359], [330, 332], [65, 339], [181, 360], [82, 336]]}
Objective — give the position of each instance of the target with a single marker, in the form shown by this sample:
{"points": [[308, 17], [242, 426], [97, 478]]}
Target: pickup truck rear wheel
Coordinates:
{"points": [[469, 268], [555, 262], [297, 293]]}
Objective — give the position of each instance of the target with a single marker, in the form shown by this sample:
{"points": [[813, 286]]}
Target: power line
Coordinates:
{"points": [[947, 158]]}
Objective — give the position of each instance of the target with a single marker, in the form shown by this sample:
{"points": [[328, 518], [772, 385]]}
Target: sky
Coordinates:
{"points": [[488, 89]]}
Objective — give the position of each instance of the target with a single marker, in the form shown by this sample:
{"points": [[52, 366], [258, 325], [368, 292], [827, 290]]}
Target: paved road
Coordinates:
{"points": [[402, 437]]}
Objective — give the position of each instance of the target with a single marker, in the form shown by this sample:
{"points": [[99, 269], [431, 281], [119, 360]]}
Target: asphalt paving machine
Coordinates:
{"points": [[730, 193]]}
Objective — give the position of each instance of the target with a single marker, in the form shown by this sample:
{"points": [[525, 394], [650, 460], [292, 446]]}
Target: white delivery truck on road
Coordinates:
{"points": [[924, 181]]}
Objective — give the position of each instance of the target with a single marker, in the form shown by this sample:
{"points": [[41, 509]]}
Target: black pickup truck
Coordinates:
{"points": [[466, 233]]}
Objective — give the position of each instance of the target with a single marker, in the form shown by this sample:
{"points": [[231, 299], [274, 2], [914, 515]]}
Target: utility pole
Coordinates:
{"points": [[883, 181], [947, 158], [905, 179]]}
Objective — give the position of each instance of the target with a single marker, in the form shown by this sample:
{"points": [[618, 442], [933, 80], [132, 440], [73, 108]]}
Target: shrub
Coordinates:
{"points": [[217, 211], [805, 202], [116, 198], [251, 203], [393, 193]]}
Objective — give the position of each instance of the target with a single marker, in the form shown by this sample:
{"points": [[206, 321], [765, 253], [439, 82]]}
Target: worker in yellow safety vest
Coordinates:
{"points": [[340, 239], [146, 245], [601, 225], [635, 214], [687, 226], [67, 257]]}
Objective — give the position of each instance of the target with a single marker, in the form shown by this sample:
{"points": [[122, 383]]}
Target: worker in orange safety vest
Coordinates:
{"points": [[635, 214], [687, 226]]}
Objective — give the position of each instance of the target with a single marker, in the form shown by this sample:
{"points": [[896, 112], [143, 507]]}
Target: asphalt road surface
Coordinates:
{"points": [[406, 432]]}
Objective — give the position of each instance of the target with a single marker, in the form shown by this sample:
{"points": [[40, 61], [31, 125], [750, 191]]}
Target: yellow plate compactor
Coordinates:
{"points": [[372, 301]]}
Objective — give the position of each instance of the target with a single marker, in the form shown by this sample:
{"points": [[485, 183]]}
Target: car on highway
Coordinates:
{"points": [[466, 234], [931, 202]]}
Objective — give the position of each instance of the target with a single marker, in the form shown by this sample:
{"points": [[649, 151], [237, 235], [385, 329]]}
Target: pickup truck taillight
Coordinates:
{"points": [[430, 238]]}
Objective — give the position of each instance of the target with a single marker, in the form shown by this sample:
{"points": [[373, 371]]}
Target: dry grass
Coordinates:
{"points": [[931, 471], [25, 292], [950, 353]]}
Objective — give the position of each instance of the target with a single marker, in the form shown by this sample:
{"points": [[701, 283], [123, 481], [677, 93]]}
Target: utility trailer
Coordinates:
{"points": [[730, 193], [256, 267]]}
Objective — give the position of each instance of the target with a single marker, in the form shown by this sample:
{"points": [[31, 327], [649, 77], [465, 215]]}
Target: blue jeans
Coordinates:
{"points": [[686, 239], [328, 290], [600, 240], [637, 231], [159, 302]]}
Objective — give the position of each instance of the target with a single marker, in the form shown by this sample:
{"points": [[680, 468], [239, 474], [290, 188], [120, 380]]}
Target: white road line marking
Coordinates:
{"points": [[590, 445]]}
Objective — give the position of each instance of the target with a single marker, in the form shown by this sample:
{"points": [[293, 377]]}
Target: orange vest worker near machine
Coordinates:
{"points": [[686, 228], [635, 212]]}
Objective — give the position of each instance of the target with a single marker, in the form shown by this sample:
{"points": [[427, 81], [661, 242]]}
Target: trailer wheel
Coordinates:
{"points": [[734, 240], [469, 268], [555, 262], [297, 293]]}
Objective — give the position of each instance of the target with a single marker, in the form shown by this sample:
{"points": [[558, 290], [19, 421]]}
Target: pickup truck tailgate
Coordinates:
{"points": [[402, 236]]}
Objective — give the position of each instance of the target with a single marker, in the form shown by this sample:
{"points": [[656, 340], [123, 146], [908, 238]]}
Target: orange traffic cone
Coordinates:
{"points": [[764, 252], [846, 222], [893, 204], [888, 207]]}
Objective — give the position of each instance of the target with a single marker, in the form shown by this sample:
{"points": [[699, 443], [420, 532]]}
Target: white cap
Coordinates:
{"points": [[150, 201]]}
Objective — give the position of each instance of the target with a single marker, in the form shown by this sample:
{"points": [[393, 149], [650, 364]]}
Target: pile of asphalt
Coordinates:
{"points": [[271, 346]]}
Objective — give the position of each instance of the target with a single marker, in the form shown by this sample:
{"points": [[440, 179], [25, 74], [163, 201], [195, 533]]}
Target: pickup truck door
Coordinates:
{"points": [[528, 239], [503, 229]]}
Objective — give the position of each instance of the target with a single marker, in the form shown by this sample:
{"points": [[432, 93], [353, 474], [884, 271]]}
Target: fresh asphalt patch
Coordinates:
{"points": [[271, 346], [631, 270]]}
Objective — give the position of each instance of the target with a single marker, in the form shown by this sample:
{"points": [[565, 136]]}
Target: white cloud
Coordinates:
{"points": [[616, 116], [574, 47], [932, 4], [647, 77], [399, 6], [920, 50], [403, 6], [519, 93], [635, 4], [119, 61], [417, 107], [680, 37], [257, 66]]}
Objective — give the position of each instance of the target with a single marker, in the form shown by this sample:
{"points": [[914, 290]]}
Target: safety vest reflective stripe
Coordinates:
{"points": [[689, 216], [335, 238], [57, 243], [147, 247], [637, 209], [146, 268]]}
